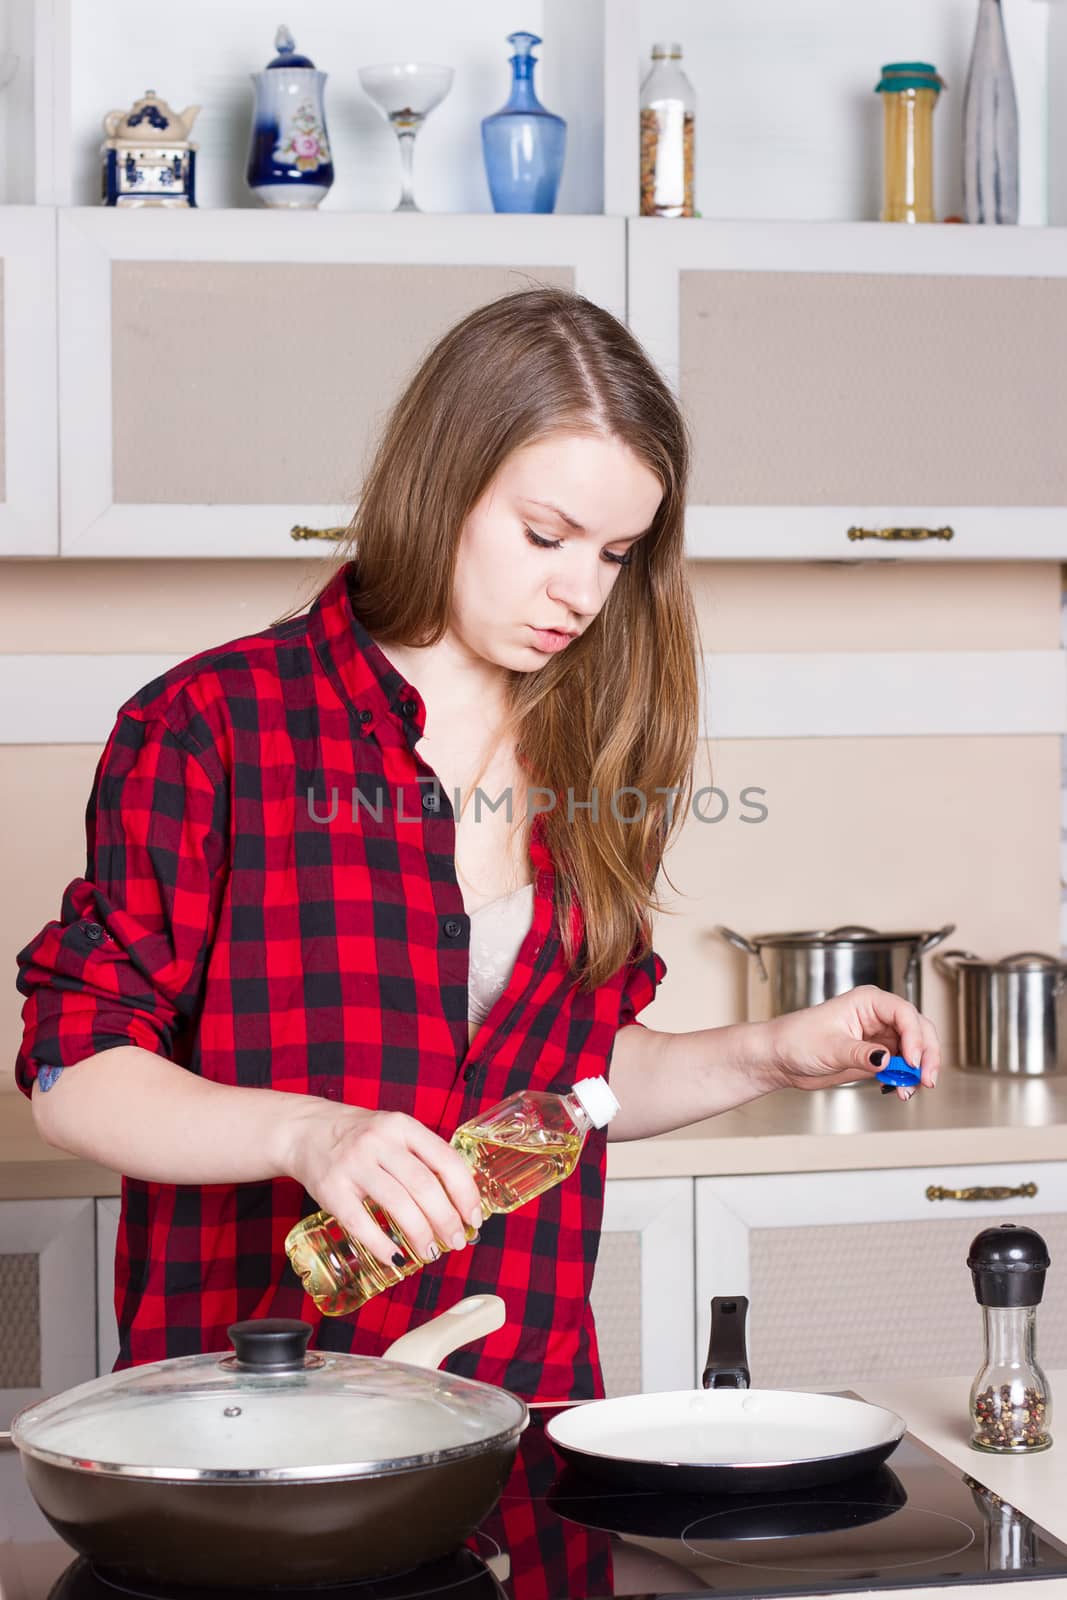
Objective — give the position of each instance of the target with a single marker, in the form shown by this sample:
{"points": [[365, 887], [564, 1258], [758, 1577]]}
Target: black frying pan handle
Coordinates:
{"points": [[727, 1363]]}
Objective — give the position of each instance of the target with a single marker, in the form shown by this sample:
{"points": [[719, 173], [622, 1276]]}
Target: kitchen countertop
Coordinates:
{"points": [[968, 1119], [935, 1410], [971, 1117], [32, 1558]]}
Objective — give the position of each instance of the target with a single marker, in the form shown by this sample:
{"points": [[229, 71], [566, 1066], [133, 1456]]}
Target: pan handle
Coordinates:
{"points": [[727, 1363], [467, 1320]]}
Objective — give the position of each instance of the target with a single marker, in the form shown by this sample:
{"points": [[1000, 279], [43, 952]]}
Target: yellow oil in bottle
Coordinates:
{"points": [[516, 1151], [510, 1171]]}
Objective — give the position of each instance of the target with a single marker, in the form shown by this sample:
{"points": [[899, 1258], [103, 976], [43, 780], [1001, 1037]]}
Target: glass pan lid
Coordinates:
{"points": [[202, 1416]]}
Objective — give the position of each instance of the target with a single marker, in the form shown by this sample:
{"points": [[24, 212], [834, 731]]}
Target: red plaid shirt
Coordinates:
{"points": [[236, 917]]}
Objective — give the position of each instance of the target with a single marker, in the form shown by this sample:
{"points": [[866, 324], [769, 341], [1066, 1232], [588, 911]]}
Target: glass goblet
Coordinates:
{"points": [[405, 92]]}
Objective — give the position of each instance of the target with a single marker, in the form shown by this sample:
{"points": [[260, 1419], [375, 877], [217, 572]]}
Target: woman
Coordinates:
{"points": [[357, 876]]}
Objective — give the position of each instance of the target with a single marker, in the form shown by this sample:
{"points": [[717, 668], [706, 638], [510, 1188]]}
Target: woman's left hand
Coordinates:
{"points": [[840, 1040]]}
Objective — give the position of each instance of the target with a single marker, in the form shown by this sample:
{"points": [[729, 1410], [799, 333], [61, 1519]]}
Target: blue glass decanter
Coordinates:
{"points": [[523, 143]]}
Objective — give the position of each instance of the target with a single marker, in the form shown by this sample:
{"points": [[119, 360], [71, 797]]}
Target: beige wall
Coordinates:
{"points": [[902, 833]]}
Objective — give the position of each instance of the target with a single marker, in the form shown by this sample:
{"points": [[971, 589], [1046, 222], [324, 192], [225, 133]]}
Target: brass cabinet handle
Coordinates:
{"points": [[901, 533], [300, 532], [1024, 1191]]}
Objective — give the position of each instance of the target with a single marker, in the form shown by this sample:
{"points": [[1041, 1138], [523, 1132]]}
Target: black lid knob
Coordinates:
{"points": [[270, 1344], [1008, 1265]]}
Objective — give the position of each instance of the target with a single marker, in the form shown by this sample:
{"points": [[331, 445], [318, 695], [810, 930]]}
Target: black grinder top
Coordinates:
{"points": [[1008, 1265]]}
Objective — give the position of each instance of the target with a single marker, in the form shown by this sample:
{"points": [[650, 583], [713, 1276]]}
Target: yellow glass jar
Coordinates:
{"points": [[909, 91]]}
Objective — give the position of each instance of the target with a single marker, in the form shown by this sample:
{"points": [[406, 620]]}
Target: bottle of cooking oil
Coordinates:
{"points": [[517, 1150]]}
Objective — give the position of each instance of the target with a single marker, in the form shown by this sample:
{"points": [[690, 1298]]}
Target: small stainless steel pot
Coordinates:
{"points": [[1011, 1015], [794, 970]]}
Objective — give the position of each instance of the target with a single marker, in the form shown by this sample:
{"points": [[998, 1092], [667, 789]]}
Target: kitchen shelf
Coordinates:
{"points": [[788, 125], [77, 62]]}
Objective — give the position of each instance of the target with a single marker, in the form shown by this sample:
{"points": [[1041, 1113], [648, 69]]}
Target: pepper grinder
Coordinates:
{"points": [[1011, 1407]]}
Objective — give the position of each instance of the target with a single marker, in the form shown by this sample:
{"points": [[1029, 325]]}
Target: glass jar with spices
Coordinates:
{"points": [[909, 91], [1010, 1403], [668, 128]]}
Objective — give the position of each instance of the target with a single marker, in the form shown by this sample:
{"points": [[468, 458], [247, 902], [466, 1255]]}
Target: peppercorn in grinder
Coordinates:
{"points": [[1011, 1407]]}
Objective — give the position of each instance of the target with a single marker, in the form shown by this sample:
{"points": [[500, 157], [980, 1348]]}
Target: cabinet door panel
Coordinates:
{"points": [[224, 376], [842, 1304], [107, 1333], [817, 388], [48, 1293]]}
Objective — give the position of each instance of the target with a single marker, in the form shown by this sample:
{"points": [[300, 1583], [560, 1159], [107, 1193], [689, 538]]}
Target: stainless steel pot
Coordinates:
{"points": [[272, 1465], [1011, 1015], [794, 970]]}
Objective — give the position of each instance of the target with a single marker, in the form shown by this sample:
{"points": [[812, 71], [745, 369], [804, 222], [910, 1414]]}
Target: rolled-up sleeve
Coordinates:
{"points": [[124, 964], [643, 978]]}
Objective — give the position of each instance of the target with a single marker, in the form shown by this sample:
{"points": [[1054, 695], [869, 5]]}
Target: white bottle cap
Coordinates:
{"points": [[667, 50], [597, 1099]]}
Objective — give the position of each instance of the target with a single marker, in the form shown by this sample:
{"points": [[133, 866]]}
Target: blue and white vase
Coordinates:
{"points": [[523, 144], [289, 163], [990, 125]]}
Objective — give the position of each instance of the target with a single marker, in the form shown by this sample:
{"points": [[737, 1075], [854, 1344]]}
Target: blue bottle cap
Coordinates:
{"points": [[898, 1073]]}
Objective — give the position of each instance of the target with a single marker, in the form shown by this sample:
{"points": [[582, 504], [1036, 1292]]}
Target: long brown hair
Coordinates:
{"points": [[619, 711]]}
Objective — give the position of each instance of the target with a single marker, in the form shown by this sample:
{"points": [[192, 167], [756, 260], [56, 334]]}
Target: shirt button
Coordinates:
{"points": [[365, 716], [93, 931], [468, 1073], [409, 707], [453, 928], [431, 802]]}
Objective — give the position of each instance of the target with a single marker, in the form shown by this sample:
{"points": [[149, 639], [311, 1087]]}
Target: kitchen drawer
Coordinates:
{"points": [[224, 374], [858, 1275], [845, 376]]}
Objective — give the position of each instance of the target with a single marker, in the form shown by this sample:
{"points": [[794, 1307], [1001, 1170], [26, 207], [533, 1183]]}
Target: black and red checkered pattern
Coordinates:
{"points": [[270, 899]]}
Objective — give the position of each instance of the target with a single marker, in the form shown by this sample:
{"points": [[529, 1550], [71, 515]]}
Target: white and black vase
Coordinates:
{"points": [[990, 125]]}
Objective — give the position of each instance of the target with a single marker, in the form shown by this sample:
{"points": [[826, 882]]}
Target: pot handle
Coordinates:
{"points": [[461, 1324], [939, 937], [739, 942], [943, 962], [727, 1363]]}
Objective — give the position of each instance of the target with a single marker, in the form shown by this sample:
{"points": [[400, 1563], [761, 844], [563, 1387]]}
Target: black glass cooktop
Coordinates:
{"points": [[915, 1521]]}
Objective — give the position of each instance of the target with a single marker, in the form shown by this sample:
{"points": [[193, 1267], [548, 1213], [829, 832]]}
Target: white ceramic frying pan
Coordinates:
{"points": [[726, 1437]]}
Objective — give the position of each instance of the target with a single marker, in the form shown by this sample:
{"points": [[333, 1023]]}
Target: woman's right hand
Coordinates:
{"points": [[344, 1155]]}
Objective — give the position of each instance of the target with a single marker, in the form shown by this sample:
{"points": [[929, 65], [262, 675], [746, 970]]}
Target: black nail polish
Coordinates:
{"points": [[398, 1260], [877, 1058], [887, 1088]]}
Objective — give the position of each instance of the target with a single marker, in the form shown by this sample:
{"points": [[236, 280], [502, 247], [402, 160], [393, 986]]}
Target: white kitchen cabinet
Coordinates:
{"points": [[863, 376], [643, 1286], [28, 492], [107, 1331], [47, 1299], [859, 1275], [223, 375]]}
